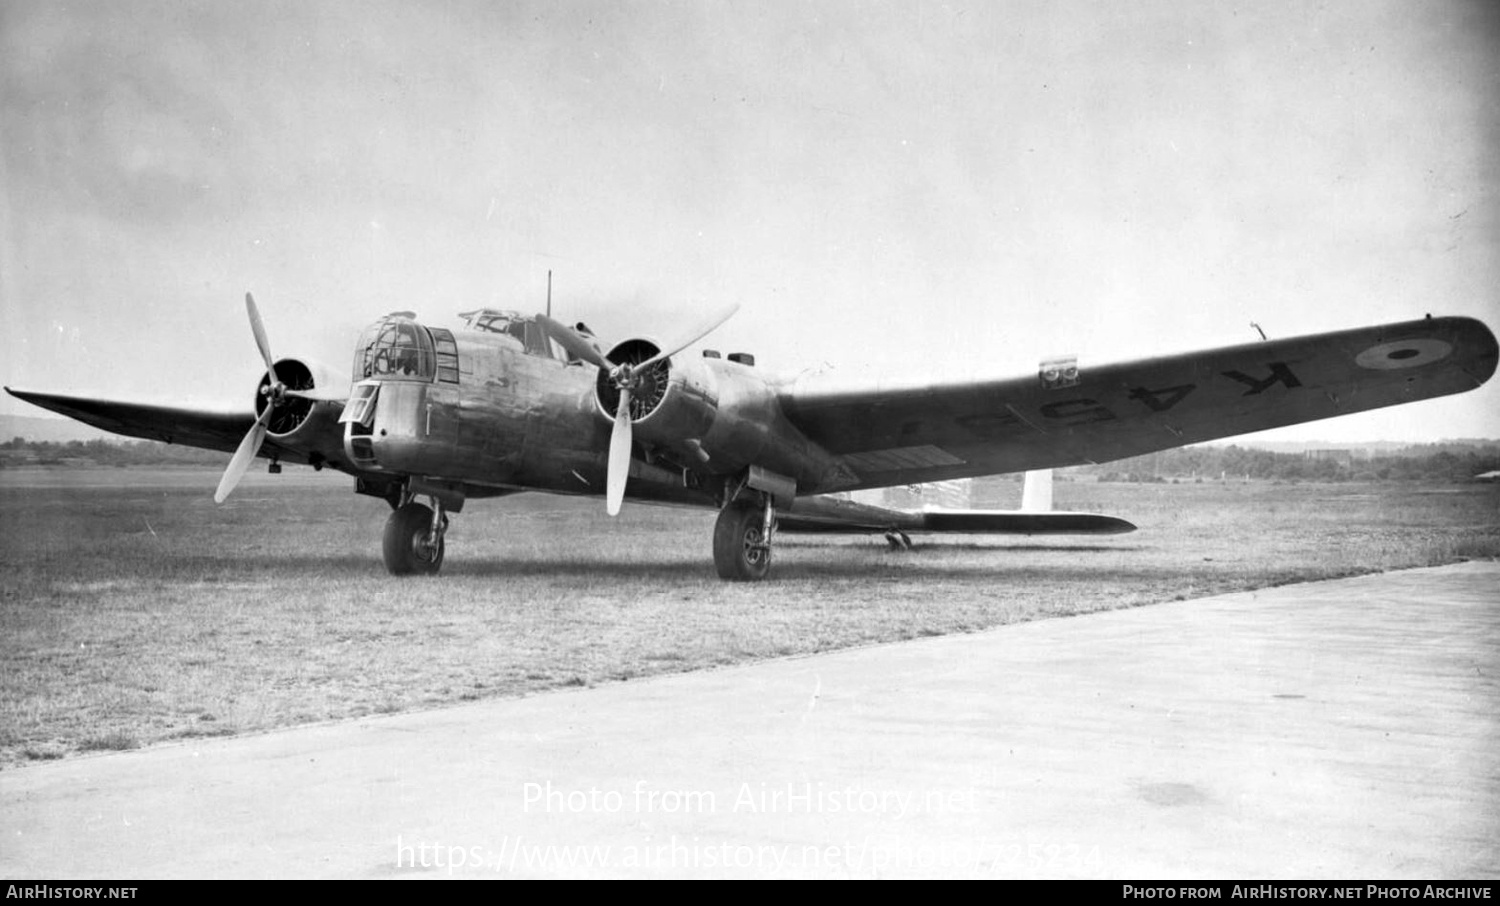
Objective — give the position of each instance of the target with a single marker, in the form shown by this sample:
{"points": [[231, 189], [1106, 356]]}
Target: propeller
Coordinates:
{"points": [[626, 378], [276, 393]]}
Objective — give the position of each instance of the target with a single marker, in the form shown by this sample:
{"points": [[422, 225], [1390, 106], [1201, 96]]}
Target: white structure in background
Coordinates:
{"points": [[958, 494], [1036, 495], [949, 495]]}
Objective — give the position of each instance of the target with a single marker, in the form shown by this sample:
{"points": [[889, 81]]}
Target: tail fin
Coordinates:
{"points": [[1036, 494]]}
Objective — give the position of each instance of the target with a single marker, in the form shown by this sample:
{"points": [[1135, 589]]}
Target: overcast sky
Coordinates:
{"points": [[906, 186]]}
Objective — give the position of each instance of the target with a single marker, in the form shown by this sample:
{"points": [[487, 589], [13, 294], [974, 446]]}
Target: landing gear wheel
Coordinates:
{"points": [[740, 550], [407, 549], [899, 541]]}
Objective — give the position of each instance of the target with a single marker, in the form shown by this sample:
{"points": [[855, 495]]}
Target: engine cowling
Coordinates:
{"points": [[293, 413], [674, 403]]}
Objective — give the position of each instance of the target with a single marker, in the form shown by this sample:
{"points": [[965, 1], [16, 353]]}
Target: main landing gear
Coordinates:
{"points": [[413, 543], [742, 539]]}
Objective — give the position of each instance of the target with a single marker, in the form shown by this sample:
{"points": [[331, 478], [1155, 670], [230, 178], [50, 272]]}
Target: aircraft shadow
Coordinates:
{"points": [[920, 547], [604, 569], [356, 566], [906, 563], [841, 561]]}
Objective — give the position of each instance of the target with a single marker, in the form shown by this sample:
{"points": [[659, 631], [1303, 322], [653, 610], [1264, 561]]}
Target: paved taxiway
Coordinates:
{"points": [[1338, 729]]}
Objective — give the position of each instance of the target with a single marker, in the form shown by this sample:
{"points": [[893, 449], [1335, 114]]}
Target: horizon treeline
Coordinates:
{"points": [[1447, 462], [18, 451]]}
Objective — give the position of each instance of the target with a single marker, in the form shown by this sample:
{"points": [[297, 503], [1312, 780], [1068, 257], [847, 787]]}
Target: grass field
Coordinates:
{"points": [[135, 611]]}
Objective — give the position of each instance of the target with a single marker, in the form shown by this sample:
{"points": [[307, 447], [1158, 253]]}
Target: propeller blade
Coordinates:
{"points": [[242, 456], [576, 345], [318, 395], [619, 456], [703, 329], [259, 330]]}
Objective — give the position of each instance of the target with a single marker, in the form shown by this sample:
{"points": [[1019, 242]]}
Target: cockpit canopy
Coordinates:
{"points": [[522, 328]]}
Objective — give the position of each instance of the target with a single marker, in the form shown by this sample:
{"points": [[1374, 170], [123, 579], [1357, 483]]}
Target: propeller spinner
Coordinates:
{"points": [[628, 379]]}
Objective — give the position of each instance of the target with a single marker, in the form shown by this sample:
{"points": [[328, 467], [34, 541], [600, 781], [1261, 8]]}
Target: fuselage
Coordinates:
{"points": [[498, 407]]}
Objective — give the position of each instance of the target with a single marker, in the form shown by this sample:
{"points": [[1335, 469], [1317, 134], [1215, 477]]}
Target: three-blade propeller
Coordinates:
{"points": [[626, 378], [276, 393]]}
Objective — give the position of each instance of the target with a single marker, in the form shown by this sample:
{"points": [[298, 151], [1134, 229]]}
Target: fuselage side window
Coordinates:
{"points": [[447, 355]]}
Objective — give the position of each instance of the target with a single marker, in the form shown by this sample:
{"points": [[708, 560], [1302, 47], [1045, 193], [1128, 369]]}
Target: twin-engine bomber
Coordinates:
{"points": [[515, 403]]}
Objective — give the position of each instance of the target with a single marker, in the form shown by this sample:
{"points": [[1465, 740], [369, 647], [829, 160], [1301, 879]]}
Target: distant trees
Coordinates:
{"points": [[19, 451], [1445, 462], [1233, 462]]}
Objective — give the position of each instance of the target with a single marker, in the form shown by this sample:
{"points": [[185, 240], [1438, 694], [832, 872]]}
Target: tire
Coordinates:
{"points": [[405, 542], [738, 552]]}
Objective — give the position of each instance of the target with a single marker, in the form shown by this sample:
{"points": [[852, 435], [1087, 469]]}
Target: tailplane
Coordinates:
{"points": [[832, 515]]}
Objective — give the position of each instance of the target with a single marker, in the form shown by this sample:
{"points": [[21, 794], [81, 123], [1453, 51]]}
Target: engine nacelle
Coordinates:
{"points": [[293, 413], [675, 403], [713, 415]]}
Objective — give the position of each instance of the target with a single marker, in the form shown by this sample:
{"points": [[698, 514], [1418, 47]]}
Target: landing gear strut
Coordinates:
{"points": [[742, 540], [413, 543]]}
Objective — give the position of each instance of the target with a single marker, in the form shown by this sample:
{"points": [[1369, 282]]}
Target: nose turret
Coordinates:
{"points": [[394, 348]]}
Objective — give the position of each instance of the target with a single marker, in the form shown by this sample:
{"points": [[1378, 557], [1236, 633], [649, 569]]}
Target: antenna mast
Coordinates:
{"points": [[549, 292]]}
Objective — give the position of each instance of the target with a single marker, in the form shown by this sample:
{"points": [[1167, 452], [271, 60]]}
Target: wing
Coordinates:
{"points": [[208, 429], [917, 433]]}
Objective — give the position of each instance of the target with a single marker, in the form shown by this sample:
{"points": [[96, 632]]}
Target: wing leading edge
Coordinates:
{"points": [[170, 424], [893, 435]]}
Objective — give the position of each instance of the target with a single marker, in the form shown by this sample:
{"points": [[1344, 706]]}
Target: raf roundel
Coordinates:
{"points": [[1403, 354]]}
